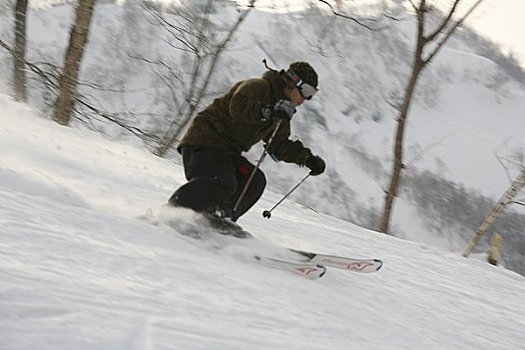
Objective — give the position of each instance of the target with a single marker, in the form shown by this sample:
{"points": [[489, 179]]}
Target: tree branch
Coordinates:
{"points": [[350, 17], [451, 31], [133, 130], [446, 21], [413, 5], [5, 46]]}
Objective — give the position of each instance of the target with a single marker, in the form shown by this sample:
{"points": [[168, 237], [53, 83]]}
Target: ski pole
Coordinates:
{"points": [[268, 213], [263, 155]]}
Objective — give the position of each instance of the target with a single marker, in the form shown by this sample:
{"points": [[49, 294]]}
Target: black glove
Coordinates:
{"points": [[283, 109], [316, 165]]}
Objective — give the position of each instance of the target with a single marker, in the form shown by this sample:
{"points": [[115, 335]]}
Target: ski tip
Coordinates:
{"points": [[379, 264], [323, 272]]}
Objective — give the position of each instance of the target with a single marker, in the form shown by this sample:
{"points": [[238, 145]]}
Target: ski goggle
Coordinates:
{"points": [[307, 91]]}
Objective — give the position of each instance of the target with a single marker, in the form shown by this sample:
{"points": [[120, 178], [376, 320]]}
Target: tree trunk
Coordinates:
{"points": [[19, 51], [69, 78], [417, 66], [395, 178]]}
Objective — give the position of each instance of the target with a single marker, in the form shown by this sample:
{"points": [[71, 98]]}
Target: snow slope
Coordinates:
{"points": [[466, 107], [79, 270]]}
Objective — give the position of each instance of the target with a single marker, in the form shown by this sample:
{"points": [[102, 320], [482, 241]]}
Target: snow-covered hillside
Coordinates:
{"points": [[467, 105], [79, 271]]}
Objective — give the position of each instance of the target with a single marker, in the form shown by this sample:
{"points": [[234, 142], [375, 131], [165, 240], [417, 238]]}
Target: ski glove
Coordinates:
{"points": [[316, 165], [283, 109]]}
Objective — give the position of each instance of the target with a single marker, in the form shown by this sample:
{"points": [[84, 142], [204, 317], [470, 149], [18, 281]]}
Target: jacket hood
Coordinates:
{"points": [[276, 83]]}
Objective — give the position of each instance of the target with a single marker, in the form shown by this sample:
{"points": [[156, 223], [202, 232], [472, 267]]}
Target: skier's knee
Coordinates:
{"points": [[201, 193], [259, 181]]}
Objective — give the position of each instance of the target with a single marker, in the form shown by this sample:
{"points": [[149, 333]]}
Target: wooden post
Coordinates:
{"points": [[496, 243]]}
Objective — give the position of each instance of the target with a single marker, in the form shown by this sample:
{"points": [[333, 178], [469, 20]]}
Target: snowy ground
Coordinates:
{"points": [[78, 270]]}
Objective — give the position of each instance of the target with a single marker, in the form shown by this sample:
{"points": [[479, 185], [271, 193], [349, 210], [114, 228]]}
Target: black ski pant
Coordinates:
{"points": [[216, 177]]}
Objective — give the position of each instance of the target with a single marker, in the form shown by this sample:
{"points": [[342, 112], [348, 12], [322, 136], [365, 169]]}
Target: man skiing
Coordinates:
{"points": [[212, 147]]}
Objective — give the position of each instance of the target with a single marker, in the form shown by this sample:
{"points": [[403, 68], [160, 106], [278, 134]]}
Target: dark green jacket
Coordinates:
{"points": [[234, 120]]}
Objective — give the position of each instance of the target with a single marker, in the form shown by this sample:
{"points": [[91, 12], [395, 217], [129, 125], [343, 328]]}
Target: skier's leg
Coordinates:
{"points": [[211, 176], [254, 191], [200, 194]]}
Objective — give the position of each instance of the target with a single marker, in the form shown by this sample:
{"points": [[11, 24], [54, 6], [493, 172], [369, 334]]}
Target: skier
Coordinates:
{"points": [[212, 146]]}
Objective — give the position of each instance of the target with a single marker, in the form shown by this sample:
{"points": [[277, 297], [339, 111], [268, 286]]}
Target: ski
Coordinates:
{"points": [[311, 271], [308, 264], [350, 264]]}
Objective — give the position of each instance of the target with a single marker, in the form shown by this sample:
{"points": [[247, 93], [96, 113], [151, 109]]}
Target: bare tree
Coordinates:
{"points": [[427, 46], [505, 200], [19, 51], [192, 35], [69, 77]]}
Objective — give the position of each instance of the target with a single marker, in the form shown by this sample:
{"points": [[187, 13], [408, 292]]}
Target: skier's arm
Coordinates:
{"points": [[286, 150], [248, 101]]}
